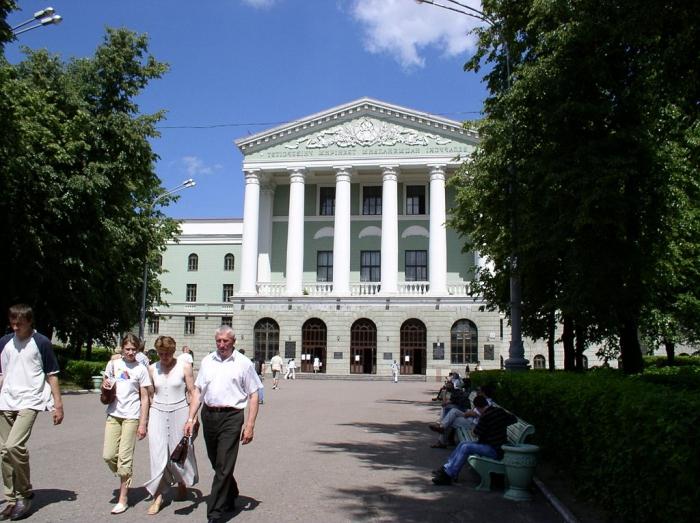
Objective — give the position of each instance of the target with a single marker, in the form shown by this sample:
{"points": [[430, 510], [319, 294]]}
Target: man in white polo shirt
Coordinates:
{"points": [[226, 384], [28, 371]]}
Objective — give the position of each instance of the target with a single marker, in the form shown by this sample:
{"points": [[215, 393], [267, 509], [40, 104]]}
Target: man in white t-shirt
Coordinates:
{"points": [[276, 365], [186, 355], [29, 381]]}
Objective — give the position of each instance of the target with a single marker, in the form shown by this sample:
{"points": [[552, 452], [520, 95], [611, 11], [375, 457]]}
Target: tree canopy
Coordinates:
{"points": [[586, 171], [77, 177]]}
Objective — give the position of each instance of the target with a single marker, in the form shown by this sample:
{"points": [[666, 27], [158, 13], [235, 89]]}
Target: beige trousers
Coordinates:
{"points": [[15, 429], [120, 440]]}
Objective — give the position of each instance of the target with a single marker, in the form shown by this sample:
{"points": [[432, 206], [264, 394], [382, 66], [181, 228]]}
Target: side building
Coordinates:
{"points": [[343, 253]]}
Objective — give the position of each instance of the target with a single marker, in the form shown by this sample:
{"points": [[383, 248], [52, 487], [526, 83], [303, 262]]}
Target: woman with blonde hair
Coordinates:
{"points": [[127, 414], [172, 380]]}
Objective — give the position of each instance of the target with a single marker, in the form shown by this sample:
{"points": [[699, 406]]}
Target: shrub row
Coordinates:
{"points": [[81, 372], [627, 443]]}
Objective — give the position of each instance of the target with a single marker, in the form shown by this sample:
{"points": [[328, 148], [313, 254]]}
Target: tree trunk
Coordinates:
{"points": [[670, 352], [88, 349], [567, 338], [580, 346], [551, 333], [630, 351], [77, 347]]}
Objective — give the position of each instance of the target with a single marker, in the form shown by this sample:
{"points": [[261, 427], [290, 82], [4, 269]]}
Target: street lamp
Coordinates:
{"points": [[516, 351], [144, 285], [46, 16]]}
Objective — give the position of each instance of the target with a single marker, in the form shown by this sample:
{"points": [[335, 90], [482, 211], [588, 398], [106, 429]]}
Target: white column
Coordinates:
{"points": [[249, 254], [341, 232], [390, 230], [295, 232], [437, 244], [267, 192]]}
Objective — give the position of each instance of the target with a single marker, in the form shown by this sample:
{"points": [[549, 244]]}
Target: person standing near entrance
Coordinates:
{"points": [[317, 365], [291, 370], [276, 364], [29, 381], [226, 384], [395, 371]]}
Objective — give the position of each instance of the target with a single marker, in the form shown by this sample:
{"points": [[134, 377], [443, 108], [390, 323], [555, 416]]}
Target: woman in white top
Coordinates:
{"points": [[172, 378], [127, 415]]}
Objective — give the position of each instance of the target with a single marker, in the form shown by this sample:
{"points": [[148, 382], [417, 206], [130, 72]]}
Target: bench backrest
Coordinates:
{"points": [[519, 431]]}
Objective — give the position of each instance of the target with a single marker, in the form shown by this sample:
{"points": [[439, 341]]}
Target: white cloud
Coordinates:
{"points": [[194, 166], [260, 4], [402, 28]]}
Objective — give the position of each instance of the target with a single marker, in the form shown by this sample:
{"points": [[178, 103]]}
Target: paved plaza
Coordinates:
{"points": [[324, 451]]}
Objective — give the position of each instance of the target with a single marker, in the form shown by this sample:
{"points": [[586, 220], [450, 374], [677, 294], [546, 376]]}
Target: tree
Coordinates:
{"points": [[76, 173], [571, 173]]}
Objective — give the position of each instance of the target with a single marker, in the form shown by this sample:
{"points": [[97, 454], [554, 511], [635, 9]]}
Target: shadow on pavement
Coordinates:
{"points": [[198, 500], [49, 496]]}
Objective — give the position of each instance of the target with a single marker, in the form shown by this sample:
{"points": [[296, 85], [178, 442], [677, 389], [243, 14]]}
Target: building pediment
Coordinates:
{"points": [[365, 128]]}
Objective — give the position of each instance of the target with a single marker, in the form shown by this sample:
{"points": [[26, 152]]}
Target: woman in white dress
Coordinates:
{"points": [[172, 380]]}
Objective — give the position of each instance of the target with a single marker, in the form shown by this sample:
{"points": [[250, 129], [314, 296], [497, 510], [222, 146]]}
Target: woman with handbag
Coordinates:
{"points": [[127, 414], [172, 380]]}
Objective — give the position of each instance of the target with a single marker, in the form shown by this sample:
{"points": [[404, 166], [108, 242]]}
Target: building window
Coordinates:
{"points": [[370, 266], [191, 294], [372, 199], [326, 203], [416, 265], [324, 266], [464, 342], [415, 199], [192, 262], [189, 324], [227, 320], [154, 325], [539, 362], [227, 293], [266, 341], [229, 262]]}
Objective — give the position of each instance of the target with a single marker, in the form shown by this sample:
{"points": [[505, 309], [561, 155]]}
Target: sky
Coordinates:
{"points": [[239, 67]]}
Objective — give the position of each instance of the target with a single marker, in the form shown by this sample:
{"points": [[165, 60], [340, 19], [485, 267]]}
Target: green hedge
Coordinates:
{"points": [[629, 445], [81, 372]]}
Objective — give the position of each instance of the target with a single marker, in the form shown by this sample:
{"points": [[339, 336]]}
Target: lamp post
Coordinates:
{"points": [[46, 16], [144, 284], [516, 351]]}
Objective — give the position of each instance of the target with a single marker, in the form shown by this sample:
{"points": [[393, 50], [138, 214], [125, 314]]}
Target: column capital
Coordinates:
{"points": [[343, 173], [437, 171], [252, 176], [297, 174], [390, 172]]}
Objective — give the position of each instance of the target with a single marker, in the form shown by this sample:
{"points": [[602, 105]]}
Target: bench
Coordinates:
{"points": [[517, 434]]}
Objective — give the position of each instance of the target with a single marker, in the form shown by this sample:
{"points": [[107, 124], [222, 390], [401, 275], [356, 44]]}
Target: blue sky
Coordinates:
{"points": [[238, 67]]}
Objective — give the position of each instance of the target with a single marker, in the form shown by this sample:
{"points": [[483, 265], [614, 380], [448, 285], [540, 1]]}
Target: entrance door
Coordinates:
{"points": [[313, 345], [413, 347], [363, 347]]}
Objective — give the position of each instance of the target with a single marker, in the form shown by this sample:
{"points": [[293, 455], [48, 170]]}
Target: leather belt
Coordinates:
{"points": [[222, 409]]}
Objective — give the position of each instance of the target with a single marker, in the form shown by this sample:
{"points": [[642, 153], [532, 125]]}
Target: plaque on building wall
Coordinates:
{"points": [[290, 349], [438, 351], [489, 352], [388, 356], [337, 355]]}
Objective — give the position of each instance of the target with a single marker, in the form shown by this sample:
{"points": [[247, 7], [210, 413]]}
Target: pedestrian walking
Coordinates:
{"points": [[172, 380], [291, 370], [276, 364], [226, 384], [317, 365], [29, 385], [127, 415], [395, 371]]}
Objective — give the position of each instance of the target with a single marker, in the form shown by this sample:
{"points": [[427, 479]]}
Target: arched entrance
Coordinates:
{"points": [[464, 338], [266, 341], [413, 347], [363, 347], [313, 344]]}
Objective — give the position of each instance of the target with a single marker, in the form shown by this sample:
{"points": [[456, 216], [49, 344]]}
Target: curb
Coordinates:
{"points": [[555, 502]]}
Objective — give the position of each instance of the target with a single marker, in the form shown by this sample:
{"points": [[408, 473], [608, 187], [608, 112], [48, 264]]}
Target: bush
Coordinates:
{"points": [[81, 372], [625, 442]]}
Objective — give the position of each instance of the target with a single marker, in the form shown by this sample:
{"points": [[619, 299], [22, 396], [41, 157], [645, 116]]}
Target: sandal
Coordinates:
{"points": [[438, 445], [155, 506]]}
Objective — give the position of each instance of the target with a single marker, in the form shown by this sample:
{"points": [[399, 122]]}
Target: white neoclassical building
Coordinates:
{"points": [[343, 254]]}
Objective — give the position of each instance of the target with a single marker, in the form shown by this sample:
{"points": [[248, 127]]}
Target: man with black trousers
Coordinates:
{"points": [[226, 384]]}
